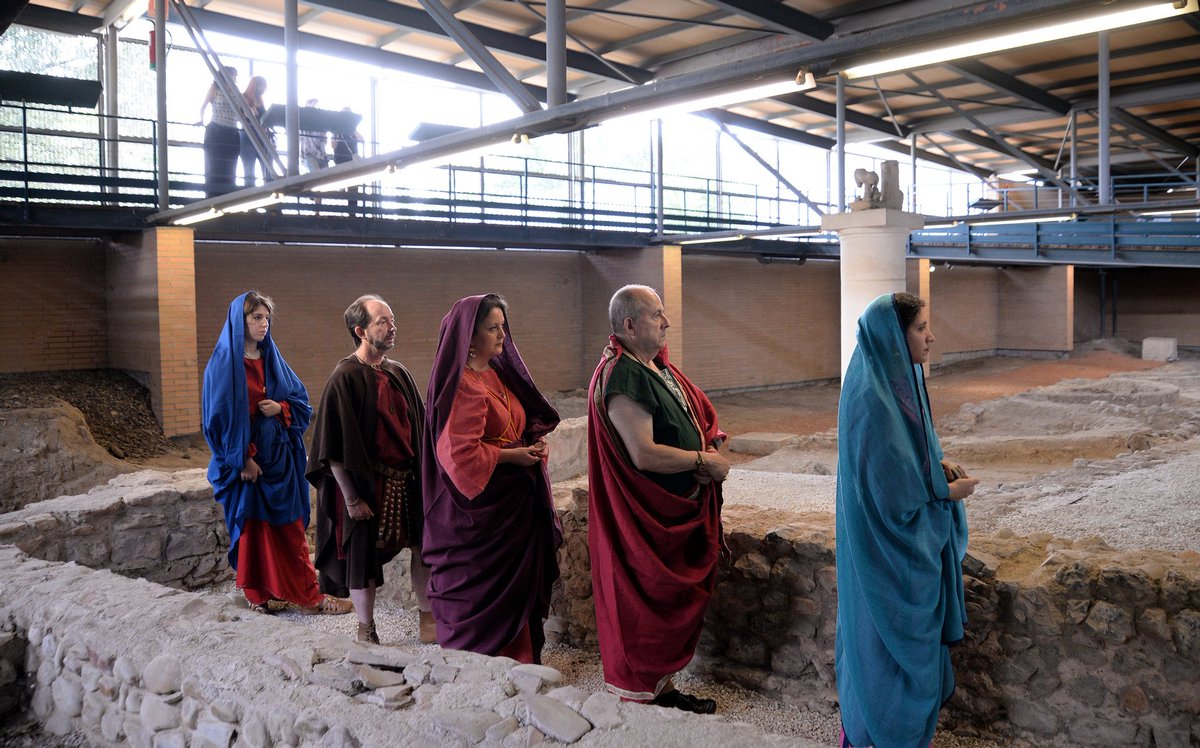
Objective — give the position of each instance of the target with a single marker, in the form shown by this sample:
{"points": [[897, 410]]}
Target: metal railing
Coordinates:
{"points": [[51, 155]]}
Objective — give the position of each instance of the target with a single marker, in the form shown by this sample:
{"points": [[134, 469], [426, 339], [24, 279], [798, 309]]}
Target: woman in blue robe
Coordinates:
{"points": [[255, 410], [901, 537]]}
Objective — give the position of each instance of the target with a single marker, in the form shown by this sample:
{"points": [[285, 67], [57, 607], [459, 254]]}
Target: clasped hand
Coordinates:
{"points": [[961, 488], [250, 471], [526, 456], [715, 467], [269, 408]]}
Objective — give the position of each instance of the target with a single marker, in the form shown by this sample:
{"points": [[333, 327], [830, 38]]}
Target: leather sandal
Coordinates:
{"points": [[329, 606], [367, 633], [676, 699], [428, 628], [259, 608]]}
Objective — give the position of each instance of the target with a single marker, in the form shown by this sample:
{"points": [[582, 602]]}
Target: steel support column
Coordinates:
{"points": [[841, 143], [160, 78], [659, 213], [1104, 118], [556, 52], [291, 115], [1073, 124], [912, 190], [109, 125]]}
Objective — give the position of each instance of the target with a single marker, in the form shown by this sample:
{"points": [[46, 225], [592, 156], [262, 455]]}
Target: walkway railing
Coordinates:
{"points": [[52, 156]]}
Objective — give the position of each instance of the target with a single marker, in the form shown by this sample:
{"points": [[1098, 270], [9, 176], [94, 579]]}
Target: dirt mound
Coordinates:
{"points": [[62, 433], [115, 406]]}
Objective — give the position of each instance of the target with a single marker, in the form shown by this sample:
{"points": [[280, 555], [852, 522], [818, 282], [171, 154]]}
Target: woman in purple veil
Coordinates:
{"points": [[490, 529]]}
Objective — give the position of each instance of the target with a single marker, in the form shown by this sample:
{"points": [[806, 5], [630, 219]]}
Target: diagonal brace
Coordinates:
{"points": [[1012, 150], [482, 56], [772, 170]]}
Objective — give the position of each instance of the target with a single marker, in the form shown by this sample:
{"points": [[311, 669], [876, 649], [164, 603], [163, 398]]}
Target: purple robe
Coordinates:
{"points": [[492, 556]]}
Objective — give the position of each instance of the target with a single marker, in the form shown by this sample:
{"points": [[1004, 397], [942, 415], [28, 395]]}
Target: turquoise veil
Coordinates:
{"points": [[900, 545]]}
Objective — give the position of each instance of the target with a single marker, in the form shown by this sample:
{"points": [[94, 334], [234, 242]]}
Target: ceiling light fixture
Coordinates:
{"points": [[706, 240], [261, 202], [803, 81], [1039, 35], [197, 217], [341, 184], [1011, 221], [1174, 212]]}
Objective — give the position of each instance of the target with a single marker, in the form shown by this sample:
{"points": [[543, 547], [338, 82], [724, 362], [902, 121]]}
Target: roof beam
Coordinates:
{"points": [[779, 17], [829, 109], [501, 41], [1012, 85], [766, 128], [263, 32], [498, 74], [50, 19], [1152, 132], [113, 12], [661, 31]]}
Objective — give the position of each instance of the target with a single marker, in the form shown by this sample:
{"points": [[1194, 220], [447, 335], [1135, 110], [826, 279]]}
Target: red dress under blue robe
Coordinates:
{"points": [[273, 560]]}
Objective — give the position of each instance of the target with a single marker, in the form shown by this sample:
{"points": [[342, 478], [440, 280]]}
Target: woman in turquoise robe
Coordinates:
{"points": [[901, 537]]}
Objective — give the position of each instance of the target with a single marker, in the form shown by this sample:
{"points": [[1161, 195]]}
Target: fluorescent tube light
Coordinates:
{"points": [[261, 202], [197, 217], [728, 98], [706, 240], [1040, 35], [354, 181], [1175, 212], [941, 224], [1010, 221]]}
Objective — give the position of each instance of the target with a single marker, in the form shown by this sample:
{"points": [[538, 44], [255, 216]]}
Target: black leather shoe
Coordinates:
{"points": [[676, 699]]}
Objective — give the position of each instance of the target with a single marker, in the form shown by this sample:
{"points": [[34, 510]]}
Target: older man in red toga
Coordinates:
{"points": [[654, 517]]}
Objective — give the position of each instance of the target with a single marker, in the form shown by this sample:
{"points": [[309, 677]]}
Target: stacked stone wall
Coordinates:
{"points": [[163, 527], [126, 662], [1067, 642]]}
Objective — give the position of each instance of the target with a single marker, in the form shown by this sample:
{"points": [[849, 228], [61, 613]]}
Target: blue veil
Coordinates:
{"points": [[280, 496], [900, 545]]}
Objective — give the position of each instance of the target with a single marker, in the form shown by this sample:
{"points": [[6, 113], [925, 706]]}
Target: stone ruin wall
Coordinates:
{"points": [[1069, 642], [126, 662], [1094, 647]]}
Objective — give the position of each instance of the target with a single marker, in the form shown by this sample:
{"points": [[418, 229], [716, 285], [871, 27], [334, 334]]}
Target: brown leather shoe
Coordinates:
{"points": [[428, 634], [329, 606], [367, 633]]}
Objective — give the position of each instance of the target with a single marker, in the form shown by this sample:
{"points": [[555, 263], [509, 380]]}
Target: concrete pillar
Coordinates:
{"points": [[152, 322], [874, 244], [661, 268]]}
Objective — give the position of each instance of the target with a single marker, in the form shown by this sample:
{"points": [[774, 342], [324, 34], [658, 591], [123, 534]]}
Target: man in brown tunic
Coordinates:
{"points": [[366, 448]]}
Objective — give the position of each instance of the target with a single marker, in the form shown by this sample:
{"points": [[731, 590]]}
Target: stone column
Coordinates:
{"points": [[874, 245], [661, 268]]}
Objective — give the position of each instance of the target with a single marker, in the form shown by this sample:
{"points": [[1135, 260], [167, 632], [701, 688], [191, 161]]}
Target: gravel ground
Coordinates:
{"points": [[397, 626]]}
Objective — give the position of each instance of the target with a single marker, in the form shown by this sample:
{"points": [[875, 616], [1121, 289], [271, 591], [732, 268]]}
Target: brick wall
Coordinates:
{"points": [[312, 286], [52, 307], [750, 324], [964, 310], [178, 376], [132, 280], [1087, 306], [1156, 303], [1036, 308]]}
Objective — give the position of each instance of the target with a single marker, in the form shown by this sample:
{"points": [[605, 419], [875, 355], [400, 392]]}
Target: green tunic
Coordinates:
{"points": [[672, 424]]}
